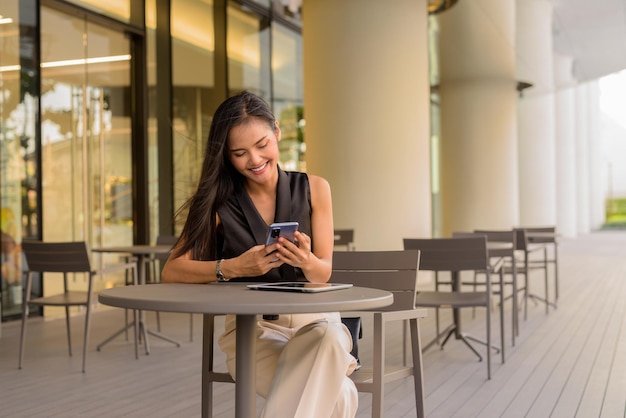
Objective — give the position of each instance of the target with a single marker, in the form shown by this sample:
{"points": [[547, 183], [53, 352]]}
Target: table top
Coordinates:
{"points": [[541, 237], [135, 249], [236, 298], [499, 249]]}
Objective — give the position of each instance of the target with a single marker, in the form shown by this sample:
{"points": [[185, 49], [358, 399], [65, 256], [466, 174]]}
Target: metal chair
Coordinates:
{"points": [[532, 257], [344, 238], [502, 246], [63, 257], [455, 255], [546, 236], [211, 376], [396, 272]]}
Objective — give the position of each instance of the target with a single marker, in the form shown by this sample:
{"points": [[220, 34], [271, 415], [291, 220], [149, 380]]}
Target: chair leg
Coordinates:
{"points": [[556, 274], [136, 332], [191, 327], [86, 337], [514, 311], [418, 374], [378, 388], [437, 332], [67, 325], [545, 277], [526, 286], [208, 325], [23, 333], [488, 315], [475, 285], [502, 315], [126, 323]]}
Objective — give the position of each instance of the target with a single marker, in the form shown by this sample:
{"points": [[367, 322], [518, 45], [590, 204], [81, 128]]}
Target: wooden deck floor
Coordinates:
{"points": [[569, 363]]}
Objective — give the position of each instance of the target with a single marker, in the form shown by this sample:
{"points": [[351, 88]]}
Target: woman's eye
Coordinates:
{"points": [[239, 154]]}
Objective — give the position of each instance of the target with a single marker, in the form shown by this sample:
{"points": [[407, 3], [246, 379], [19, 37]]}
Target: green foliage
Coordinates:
{"points": [[616, 212]]}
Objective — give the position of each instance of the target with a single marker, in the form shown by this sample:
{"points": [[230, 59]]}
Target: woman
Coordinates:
{"points": [[303, 361]]}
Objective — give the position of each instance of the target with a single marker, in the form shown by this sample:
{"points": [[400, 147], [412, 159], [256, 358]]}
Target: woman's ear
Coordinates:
{"points": [[277, 131]]}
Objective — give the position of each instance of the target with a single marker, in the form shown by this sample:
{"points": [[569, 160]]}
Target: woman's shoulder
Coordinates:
{"points": [[313, 180], [317, 181]]}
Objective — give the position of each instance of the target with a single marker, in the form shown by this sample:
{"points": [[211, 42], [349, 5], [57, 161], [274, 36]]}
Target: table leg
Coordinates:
{"points": [[245, 381], [139, 320], [207, 359], [455, 329]]}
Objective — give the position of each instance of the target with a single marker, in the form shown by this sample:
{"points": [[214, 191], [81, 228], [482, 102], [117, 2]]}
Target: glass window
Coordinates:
{"points": [[290, 10], [19, 83], [86, 133], [248, 50], [193, 73], [288, 95], [117, 9], [153, 157], [264, 3]]}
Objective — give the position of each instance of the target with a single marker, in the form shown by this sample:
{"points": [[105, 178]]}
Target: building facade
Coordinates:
{"points": [[426, 117]]}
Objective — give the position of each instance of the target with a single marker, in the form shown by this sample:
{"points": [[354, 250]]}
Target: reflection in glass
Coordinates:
{"points": [[86, 132], [153, 157], [117, 9], [193, 73], [248, 49], [290, 10], [288, 96], [18, 115]]}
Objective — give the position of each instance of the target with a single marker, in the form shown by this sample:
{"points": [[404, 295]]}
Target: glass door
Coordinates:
{"points": [[86, 132]]}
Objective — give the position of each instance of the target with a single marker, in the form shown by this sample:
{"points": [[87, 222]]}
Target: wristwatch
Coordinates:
{"points": [[218, 272]]}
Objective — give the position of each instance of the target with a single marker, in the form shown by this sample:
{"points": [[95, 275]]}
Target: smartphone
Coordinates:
{"points": [[281, 229]]}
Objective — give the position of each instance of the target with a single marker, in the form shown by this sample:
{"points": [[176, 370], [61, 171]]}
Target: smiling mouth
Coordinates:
{"points": [[257, 169]]}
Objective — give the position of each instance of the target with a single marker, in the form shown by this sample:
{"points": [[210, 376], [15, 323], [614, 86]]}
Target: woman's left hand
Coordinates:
{"points": [[296, 254]]}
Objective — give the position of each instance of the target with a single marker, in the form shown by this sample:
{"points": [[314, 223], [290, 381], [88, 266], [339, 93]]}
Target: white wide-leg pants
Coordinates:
{"points": [[303, 364]]}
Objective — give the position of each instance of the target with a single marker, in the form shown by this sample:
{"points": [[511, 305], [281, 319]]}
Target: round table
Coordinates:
{"points": [[246, 304]]}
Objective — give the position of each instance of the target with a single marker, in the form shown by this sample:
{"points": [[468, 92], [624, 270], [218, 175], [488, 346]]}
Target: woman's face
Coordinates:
{"points": [[253, 150]]}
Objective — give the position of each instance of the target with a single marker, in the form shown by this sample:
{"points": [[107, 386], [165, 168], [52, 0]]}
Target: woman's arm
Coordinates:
{"points": [[254, 262], [316, 265]]}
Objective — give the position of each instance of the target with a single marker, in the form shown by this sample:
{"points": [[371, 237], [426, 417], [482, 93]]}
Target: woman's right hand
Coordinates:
{"points": [[257, 261]]}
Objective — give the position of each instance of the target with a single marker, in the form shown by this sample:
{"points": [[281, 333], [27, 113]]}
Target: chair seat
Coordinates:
{"points": [[70, 298], [451, 299]]}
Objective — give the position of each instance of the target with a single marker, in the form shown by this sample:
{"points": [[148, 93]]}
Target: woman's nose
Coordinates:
{"points": [[255, 157]]}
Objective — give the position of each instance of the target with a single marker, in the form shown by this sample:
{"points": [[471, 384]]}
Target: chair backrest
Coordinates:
{"points": [[522, 239], [450, 254], [550, 232], [61, 257], [165, 240], [344, 238], [508, 236], [393, 271], [500, 236]]}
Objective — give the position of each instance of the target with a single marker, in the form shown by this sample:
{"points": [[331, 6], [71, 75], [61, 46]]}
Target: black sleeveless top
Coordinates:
{"points": [[242, 227]]}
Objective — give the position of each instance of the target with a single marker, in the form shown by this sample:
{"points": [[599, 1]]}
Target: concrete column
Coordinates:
{"points": [[597, 167], [478, 116], [536, 136], [366, 106], [582, 159], [565, 147]]}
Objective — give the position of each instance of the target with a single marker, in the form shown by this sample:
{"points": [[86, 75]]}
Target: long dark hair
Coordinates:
{"points": [[218, 178]]}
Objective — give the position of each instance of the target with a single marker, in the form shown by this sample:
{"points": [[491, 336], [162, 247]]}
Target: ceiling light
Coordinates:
{"points": [[83, 61]]}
